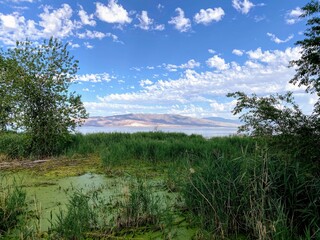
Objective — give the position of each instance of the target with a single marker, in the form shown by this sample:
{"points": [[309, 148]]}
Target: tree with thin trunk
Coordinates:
{"points": [[44, 107]]}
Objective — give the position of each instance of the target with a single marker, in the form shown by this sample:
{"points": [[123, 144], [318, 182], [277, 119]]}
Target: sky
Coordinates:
{"points": [[174, 56]]}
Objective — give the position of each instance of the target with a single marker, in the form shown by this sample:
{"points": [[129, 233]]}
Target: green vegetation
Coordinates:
{"points": [[79, 218], [258, 195], [12, 206], [280, 191], [35, 96], [265, 186], [139, 207], [278, 115], [308, 66], [228, 187]]}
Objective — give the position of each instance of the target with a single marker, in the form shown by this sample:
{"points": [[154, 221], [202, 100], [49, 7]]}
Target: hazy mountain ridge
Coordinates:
{"points": [[158, 120]]}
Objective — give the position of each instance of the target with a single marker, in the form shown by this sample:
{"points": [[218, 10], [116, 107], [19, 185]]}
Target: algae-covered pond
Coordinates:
{"points": [[48, 195], [113, 197]]}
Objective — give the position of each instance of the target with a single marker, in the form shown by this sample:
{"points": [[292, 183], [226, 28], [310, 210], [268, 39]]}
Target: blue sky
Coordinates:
{"points": [[175, 56]]}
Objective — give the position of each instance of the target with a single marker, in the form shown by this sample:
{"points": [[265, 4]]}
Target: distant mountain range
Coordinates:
{"points": [[158, 120]]}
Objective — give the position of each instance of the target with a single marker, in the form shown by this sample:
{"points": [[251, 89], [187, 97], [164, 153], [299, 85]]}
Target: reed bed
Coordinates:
{"points": [[231, 187]]}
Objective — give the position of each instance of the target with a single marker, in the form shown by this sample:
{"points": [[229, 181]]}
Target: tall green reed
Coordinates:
{"points": [[139, 207], [79, 218], [12, 205], [258, 195]]}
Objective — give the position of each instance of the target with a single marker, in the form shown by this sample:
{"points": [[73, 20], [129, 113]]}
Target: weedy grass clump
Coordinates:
{"points": [[139, 207], [79, 218], [12, 206], [91, 215]]}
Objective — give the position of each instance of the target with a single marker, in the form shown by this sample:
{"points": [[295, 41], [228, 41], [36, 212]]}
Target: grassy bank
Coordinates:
{"points": [[230, 187]]}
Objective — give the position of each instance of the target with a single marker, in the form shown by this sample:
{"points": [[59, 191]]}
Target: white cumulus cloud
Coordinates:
{"points": [[57, 22], [242, 6], [85, 18], [147, 23], [275, 57], [145, 82], [112, 13], [217, 62], [94, 78], [237, 52], [200, 93], [53, 22], [188, 65], [88, 45], [207, 16], [180, 22], [293, 16], [91, 34]]}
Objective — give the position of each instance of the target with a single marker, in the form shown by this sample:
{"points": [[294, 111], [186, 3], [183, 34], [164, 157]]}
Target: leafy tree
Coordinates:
{"points": [[7, 93], [4, 101], [308, 66], [279, 114], [280, 121], [273, 115], [45, 109]]}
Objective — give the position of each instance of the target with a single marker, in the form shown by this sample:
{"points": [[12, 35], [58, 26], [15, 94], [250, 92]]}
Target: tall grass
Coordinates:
{"points": [[153, 146], [89, 215], [232, 185], [256, 195], [14, 145], [80, 218], [139, 207], [12, 206], [165, 147]]}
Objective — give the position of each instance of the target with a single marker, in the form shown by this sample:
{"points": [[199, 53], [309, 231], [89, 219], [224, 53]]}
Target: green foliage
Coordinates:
{"points": [[12, 205], [257, 195], [139, 207], [79, 218], [308, 66], [297, 134], [232, 186], [6, 94], [285, 205], [273, 115], [168, 147], [38, 88], [281, 120], [14, 145]]}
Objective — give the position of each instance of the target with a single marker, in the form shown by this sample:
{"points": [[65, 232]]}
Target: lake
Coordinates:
{"points": [[207, 132]]}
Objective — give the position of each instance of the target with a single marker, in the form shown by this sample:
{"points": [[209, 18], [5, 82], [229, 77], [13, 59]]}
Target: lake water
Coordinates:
{"points": [[205, 132]]}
